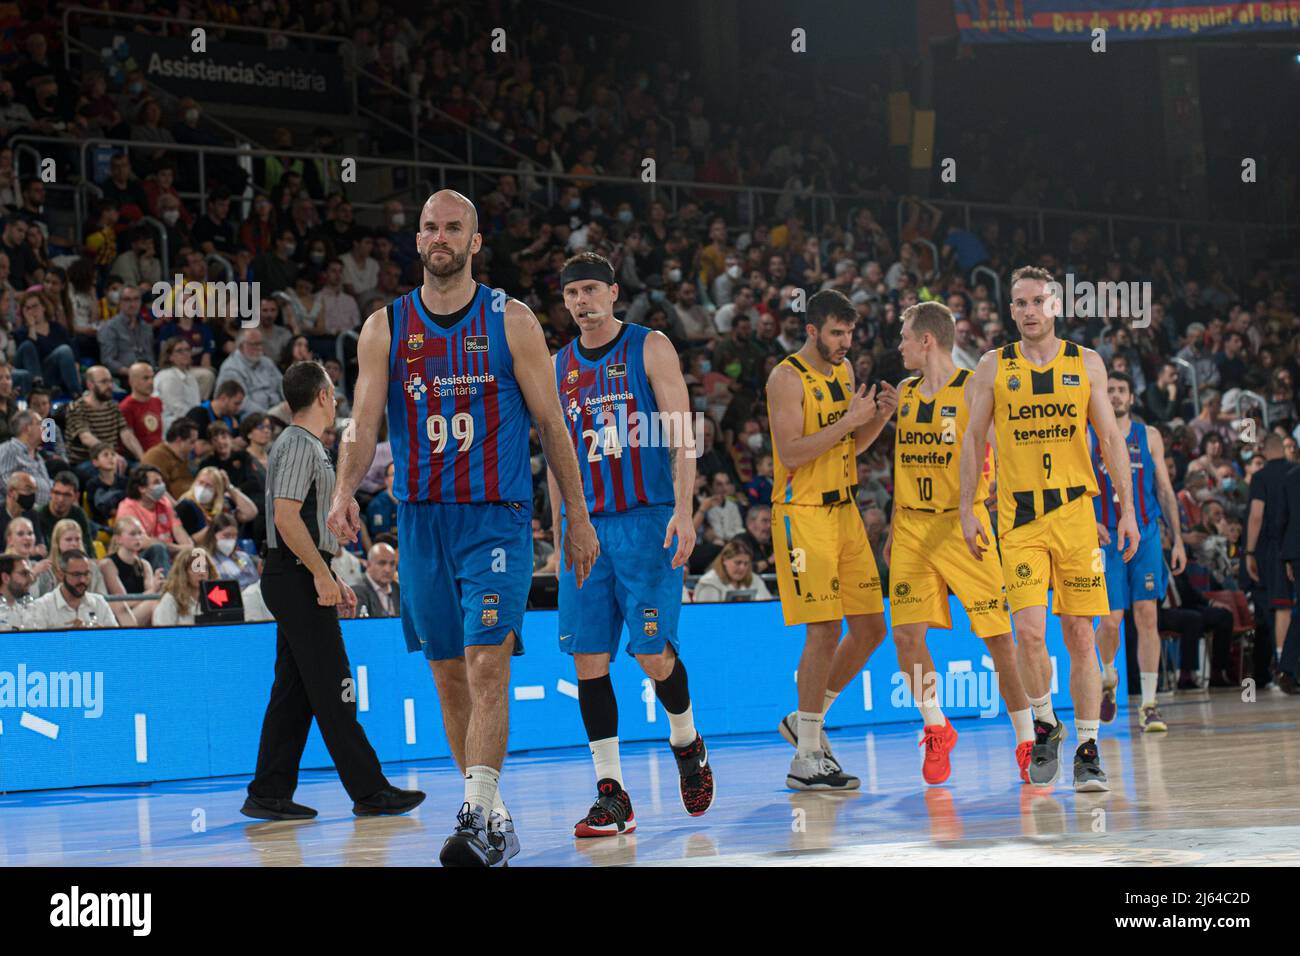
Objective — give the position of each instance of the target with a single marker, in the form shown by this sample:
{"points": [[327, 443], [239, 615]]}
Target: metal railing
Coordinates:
{"points": [[666, 189]]}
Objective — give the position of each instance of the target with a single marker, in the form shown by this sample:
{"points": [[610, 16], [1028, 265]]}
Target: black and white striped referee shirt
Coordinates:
{"points": [[298, 467]]}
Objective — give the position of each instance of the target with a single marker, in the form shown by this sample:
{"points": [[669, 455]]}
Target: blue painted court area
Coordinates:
{"points": [[1171, 803]]}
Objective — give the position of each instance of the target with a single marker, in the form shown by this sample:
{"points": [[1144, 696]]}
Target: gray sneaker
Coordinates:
{"points": [[1151, 721], [501, 823], [1088, 775], [1045, 758], [789, 730], [816, 772]]}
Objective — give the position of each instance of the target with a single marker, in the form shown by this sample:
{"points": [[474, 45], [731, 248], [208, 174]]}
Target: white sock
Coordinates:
{"points": [[1022, 721], [810, 732], [681, 728], [1042, 708], [1086, 729], [1149, 683], [1110, 673], [499, 805], [481, 788], [830, 699], [605, 755], [932, 715]]}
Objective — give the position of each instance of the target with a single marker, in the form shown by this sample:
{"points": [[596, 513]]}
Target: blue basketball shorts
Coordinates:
{"points": [[632, 583], [465, 573], [1142, 579]]}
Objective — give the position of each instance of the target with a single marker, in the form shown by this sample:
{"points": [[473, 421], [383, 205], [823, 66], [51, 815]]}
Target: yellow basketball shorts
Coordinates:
{"points": [[1059, 548], [928, 558], [824, 566]]}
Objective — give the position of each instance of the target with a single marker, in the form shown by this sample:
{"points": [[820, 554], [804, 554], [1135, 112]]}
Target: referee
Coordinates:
{"points": [[302, 593]]}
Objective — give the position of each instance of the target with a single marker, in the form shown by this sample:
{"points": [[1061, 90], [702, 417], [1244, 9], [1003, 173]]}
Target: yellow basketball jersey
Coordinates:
{"points": [[927, 446], [833, 476], [1040, 418]]}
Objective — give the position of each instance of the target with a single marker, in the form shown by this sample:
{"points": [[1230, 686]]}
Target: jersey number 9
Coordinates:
{"points": [[462, 430]]}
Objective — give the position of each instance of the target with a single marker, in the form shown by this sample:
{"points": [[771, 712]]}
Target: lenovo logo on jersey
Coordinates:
{"points": [[1045, 410], [926, 438], [614, 371], [831, 417], [476, 343]]}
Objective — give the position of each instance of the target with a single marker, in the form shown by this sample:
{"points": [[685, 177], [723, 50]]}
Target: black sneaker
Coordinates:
{"points": [[472, 843], [610, 815], [696, 777], [1088, 775], [1045, 758], [1287, 683], [273, 808], [388, 802]]}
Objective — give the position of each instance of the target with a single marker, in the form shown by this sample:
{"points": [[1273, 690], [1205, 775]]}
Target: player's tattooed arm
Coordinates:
{"points": [[1114, 452], [979, 429], [664, 370], [357, 450], [535, 373], [1168, 501], [979, 424], [785, 400]]}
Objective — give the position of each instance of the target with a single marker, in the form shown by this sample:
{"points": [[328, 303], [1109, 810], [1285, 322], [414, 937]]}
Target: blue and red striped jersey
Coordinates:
{"points": [[614, 422], [1145, 502], [457, 422]]}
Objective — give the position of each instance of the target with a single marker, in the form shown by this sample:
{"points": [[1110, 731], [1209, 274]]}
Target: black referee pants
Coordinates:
{"points": [[311, 665]]}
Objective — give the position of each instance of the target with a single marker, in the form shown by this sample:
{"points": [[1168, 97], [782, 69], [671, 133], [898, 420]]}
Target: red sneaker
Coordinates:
{"points": [[1023, 750], [938, 743], [610, 815]]}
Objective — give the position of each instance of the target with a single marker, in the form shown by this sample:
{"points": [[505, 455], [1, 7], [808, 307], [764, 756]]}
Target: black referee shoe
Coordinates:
{"points": [[388, 802], [275, 808]]}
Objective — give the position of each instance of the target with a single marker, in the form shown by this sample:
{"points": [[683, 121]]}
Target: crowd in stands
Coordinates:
{"points": [[134, 444]]}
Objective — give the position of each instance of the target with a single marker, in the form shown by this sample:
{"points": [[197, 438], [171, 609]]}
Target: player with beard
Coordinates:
{"points": [[460, 370], [1139, 584], [1040, 394], [820, 423], [628, 413]]}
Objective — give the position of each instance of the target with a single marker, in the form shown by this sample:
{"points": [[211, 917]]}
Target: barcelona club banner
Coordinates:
{"points": [[1011, 21]]}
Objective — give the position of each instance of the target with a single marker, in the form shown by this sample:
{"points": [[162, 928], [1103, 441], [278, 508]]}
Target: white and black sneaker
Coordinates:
{"points": [[501, 823], [818, 772], [789, 730], [473, 842]]}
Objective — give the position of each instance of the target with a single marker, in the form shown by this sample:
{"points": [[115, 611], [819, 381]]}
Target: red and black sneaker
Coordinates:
{"points": [[696, 784], [610, 815]]}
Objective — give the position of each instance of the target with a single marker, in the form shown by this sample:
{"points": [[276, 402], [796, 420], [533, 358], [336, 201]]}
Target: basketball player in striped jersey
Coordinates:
{"points": [[1139, 584], [1040, 394], [460, 370], [825, 570], [628, 415], [925, 551]]}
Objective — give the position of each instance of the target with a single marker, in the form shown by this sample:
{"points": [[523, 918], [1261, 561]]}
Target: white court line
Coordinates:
{"points": [[567, 688], [409, 706], [363, 688], [42, 727], [141, 739], [530, 692]]}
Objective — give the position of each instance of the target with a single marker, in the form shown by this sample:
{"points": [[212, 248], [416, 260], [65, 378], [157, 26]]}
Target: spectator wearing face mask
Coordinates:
{"points": [[222, 546], [277, 269], [146, 501], [20, 502], [210, 496]]}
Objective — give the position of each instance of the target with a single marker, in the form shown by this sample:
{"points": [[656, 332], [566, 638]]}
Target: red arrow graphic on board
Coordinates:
{"points": [[218, 596]]}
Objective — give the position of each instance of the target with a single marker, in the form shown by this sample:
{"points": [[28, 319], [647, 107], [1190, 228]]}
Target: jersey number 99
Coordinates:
{"points": [[462, 430]]}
